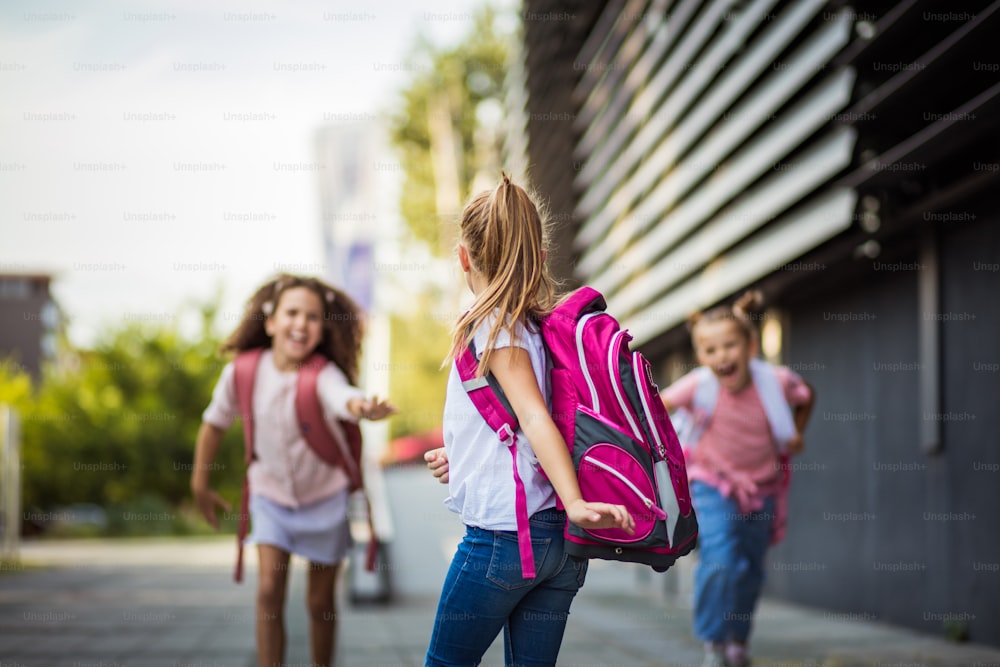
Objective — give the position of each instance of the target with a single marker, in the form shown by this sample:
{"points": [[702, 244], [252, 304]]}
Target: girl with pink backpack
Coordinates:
{"points": [[501, 251], [744, 419]]}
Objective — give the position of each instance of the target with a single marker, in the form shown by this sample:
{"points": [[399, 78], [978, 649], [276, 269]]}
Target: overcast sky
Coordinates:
{"points": [[151, 153]]}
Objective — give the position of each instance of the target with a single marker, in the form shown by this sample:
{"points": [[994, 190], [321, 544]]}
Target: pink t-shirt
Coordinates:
{"points": [[286, 469], [738, 436]]}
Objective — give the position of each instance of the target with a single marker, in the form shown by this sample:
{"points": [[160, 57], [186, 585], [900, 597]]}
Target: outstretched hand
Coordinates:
{"points": [[371, 408], [796, 444], [437, 463], [600, 515]]}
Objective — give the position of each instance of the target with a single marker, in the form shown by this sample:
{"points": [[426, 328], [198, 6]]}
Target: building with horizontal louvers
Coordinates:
{"points": [[842, 158]]}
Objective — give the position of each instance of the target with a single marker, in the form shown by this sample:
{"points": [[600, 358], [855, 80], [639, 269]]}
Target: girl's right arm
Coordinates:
{"points": [[512, 368], [206, 447]]}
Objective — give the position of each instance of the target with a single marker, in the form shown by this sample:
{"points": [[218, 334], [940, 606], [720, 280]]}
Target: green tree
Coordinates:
{"points": [[418, 381], [116, 425], [437, 129], [441, 131]]}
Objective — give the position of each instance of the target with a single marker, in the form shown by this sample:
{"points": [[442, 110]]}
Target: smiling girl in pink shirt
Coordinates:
{"points": [[299, 502]]}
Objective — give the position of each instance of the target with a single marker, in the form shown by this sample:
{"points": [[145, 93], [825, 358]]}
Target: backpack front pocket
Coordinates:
{"points": [[612, 471]]}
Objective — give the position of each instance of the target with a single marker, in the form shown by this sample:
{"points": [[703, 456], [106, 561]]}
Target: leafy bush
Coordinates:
{"points": [[115, 426]]}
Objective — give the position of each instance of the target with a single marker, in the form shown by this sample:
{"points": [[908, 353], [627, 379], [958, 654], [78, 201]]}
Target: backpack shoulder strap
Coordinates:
{"points": [[706, 393], [782, 423], [772, 396], [244, 373], [309, 411], [779, 414], [485, 393], [691, 424], [344, 453], [500, 417]]}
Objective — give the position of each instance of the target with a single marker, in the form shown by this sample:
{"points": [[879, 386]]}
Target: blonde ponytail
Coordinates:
{"points": [[505, 236]]}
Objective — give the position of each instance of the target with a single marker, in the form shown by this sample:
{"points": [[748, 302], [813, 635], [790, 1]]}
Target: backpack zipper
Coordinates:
{"points": [[595, 404], [613, 353], [636, 367], [650, 504]]}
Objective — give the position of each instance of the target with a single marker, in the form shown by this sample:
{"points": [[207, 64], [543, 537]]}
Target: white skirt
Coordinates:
{"points": [[318, 532]]}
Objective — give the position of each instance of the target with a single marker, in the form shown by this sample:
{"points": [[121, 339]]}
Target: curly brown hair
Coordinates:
{"points": [[343, 322]]}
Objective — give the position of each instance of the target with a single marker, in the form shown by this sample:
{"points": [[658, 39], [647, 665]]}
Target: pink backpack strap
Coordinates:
{"points": [[309, 410], [333, 450], [504, 423], [244, 373]]}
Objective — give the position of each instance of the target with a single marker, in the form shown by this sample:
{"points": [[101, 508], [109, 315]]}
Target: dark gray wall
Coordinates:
{"points": [[968, 481], [877, 528]]}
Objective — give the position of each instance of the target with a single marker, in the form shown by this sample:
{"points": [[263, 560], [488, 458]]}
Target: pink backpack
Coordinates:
{"points": [[624, 448], [314, 429]]}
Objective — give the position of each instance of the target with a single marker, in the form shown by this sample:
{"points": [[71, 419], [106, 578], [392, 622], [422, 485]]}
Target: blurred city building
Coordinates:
{"points": [[839, 157], [29, 321]]}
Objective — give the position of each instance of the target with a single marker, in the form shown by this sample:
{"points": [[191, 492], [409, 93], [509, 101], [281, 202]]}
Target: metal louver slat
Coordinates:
{"points": [[644, 99], [642, 71], [757, 58], [754, 159], [597, 40], [679, 60], [626, 81], [761, 104], [702, 73], [876, 168], [792, 183], [591, 84], [777, 245], [912, 75]]}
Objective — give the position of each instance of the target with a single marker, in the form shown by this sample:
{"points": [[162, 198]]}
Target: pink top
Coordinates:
{"points": [[736, 451], [286, 469]]}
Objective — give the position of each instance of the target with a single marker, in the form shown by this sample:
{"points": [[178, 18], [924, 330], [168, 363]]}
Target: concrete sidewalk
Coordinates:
{"points": [[156, 603]]}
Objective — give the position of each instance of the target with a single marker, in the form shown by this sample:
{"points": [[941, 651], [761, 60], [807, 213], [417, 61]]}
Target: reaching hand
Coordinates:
{"points": [[796, 444], [371, 408], [437, 463], [207, 500], [600, 515]]}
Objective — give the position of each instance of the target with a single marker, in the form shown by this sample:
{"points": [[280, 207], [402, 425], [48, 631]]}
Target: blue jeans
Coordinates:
{"points": [[730, 571], [484, 592]]}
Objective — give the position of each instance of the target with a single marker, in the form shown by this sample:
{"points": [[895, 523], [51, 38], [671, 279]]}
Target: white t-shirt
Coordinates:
{"points": [[480, 467]]}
